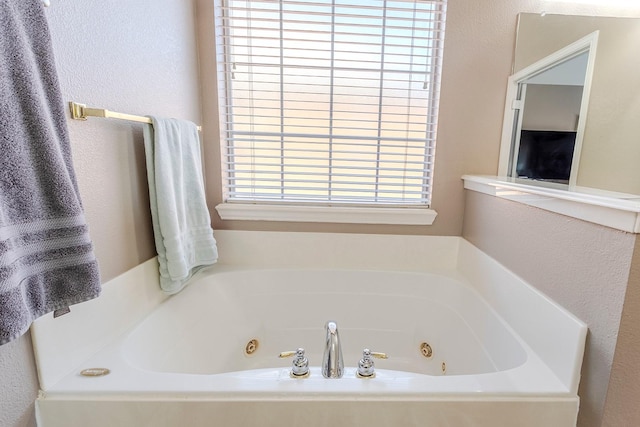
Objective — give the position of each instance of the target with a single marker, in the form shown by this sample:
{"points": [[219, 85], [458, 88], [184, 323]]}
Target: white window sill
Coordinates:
{"points": [[332, 214], [615, 210]]}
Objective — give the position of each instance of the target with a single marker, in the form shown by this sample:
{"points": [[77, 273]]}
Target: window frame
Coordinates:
{"points": [[325, 211]]}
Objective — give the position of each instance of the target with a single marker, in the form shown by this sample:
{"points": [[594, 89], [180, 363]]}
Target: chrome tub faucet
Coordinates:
{"points": [[332, 363]]}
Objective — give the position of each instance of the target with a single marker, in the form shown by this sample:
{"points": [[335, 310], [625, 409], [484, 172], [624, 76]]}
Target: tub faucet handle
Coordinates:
{"points": [[300, 364], [366, 366], [377, 355]]}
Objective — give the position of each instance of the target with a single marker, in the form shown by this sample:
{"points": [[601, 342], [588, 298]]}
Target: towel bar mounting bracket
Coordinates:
{"points": [[77, 111]]}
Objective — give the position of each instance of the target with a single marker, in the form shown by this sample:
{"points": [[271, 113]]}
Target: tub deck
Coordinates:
{"points": [[532, 379]]}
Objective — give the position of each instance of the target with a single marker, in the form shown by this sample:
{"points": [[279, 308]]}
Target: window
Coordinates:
{"points": [[329, 102]]}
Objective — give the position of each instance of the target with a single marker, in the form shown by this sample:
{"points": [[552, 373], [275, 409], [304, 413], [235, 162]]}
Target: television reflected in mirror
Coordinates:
{"points": [[546, 155]]}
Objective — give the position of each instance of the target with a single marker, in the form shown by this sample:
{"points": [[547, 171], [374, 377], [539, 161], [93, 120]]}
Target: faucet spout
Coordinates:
{"points": [[332, 363]]}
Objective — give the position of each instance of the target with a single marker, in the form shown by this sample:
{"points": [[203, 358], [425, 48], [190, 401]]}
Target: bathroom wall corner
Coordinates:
{"points": [[19, 384], [621, 406], [132, 59], [582, 266]]}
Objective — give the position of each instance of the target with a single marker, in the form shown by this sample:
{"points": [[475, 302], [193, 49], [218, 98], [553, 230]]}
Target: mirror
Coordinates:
{"points": [[545, 119], [593, 140]]}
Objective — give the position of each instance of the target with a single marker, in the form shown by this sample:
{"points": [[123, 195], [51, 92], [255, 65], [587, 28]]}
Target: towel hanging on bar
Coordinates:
{"points": [[181, 221]]}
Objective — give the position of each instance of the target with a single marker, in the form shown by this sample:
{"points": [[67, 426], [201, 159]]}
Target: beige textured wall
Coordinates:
{"points": [[479, 44], [610, 150], [18, 383], [140, 58], [583, 266], [621, 407]]}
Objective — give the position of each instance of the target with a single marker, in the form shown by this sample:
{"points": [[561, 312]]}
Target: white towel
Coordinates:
{"points": [[181, 222]]}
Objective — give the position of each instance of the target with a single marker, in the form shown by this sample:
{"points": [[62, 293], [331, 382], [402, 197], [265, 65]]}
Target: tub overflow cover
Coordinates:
{"points": [[94, 372]]}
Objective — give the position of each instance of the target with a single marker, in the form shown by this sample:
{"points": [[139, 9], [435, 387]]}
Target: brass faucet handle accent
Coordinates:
{"points": [[378, 355], [299, 353]]}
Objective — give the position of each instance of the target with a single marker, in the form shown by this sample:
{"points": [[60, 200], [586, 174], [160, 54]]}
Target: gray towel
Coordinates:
{"points": [[46, 256]]}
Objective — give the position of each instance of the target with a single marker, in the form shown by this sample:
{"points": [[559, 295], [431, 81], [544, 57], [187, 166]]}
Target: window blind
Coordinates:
{"points": [[329, 101]]}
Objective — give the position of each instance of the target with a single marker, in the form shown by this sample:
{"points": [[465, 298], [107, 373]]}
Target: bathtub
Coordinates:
{"points": [[467, 342]]}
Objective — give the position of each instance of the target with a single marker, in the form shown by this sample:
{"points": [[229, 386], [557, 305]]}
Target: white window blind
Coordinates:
{"points": [[329, 101]]}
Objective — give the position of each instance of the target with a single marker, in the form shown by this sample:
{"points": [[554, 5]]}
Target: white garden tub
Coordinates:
{"points": [[209, 355]]}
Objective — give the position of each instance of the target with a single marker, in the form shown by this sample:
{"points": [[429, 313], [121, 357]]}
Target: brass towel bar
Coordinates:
{"points": [[81, 112]]}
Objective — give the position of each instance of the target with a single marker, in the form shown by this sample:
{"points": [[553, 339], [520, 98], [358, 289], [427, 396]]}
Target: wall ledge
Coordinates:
{"points": [[331, 214], [616, 210]]}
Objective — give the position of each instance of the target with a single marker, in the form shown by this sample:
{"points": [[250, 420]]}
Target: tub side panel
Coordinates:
{"points": [[62, 344], [495, 338], [560, 412], [553, 333], [263, 249]]}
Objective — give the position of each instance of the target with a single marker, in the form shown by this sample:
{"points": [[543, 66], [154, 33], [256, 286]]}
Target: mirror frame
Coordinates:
{"points": [[508, 151]]}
